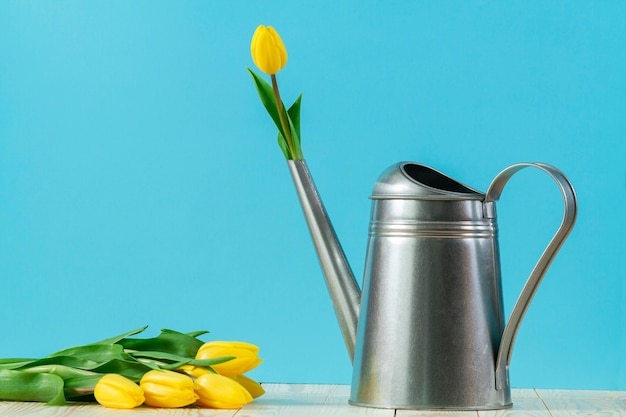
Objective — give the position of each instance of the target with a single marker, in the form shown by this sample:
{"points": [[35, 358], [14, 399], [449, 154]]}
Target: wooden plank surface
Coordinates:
{"points": [[282, 400], [526, 403], [565, 403], [312, 400]]}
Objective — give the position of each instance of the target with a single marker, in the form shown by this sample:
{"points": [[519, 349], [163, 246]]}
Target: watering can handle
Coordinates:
{"points": [[569, 217]]}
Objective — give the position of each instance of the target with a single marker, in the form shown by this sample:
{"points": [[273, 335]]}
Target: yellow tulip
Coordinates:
{"points": [[254, 388], [246, 356], [217, 391], [167, 389], [194, 371], [116, 391], [268, 50]]}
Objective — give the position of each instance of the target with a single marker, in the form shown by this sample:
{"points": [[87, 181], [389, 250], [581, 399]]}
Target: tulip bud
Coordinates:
{"points": [[217, 391], [254, 388], [268, 50], [116, 391], [194, 371], [167, 389], [246, 356]]}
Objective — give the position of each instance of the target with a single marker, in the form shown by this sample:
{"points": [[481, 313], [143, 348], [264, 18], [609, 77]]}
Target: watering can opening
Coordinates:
{"points": [[429, 177]]}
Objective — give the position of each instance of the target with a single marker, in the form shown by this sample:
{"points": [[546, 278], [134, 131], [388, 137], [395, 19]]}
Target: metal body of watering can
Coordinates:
{"points": [[428, 329]]}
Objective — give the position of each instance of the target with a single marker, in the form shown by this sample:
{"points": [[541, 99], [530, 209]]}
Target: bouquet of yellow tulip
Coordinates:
{"points": [[171, 370], [270, 56]]}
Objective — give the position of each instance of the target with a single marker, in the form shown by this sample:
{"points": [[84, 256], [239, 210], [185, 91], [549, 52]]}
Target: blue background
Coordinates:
{"points": [[141, 183]]}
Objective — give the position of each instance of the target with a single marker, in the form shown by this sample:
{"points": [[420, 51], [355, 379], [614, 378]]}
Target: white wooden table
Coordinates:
{"points": [[308, 400]]}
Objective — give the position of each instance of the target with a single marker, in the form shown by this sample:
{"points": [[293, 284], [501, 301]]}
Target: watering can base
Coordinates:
{"points": [[433, 407]]}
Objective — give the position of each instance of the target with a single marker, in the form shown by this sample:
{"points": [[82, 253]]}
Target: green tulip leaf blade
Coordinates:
{"points": [[116, 339], [294, 116], [177, 361], [10, 361], [132, 370], [197, 333], [211, 361], [266, 93], [152, 365], [24, 386], [159, 355], [61, 370], [296, 153], [167, 341], [81, 388], [282, 143], [96, 352], [70, 361], [174, 366], [193, 334], [15, 363], [171, 331]]}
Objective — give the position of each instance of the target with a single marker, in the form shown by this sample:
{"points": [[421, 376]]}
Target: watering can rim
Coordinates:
{"points": [[415, 181]]}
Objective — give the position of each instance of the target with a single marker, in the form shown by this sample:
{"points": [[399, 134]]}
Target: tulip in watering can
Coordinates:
{"points": [[427, 330]]}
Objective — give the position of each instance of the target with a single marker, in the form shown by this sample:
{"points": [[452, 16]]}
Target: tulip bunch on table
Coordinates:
{"points": [[171, 370]]}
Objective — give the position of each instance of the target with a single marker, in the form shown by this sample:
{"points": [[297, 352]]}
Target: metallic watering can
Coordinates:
{"points": [[427, 331]]}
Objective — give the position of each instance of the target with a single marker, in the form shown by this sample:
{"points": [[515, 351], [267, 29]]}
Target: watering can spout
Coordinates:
{"points": [[342, 286]]}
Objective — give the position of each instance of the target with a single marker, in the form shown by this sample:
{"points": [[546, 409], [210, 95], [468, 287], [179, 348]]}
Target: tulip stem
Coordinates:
{"points": [[283, 119]]}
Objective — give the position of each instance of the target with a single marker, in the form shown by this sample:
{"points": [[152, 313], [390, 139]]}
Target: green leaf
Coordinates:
{"points": [[163, 356], [154, 365], [81, 388], [294, 115], [116, 339], [80, 363], [192, 334], [24, 386], [296, 152], [174, 365], [212, 361], [168, 341], [97, 359], [10, 361], [197, 333], [132, 370], [266, 93], [60, 370], [282, 143], [95, 353], [293, 118], [159, 355], [14, 363]]}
